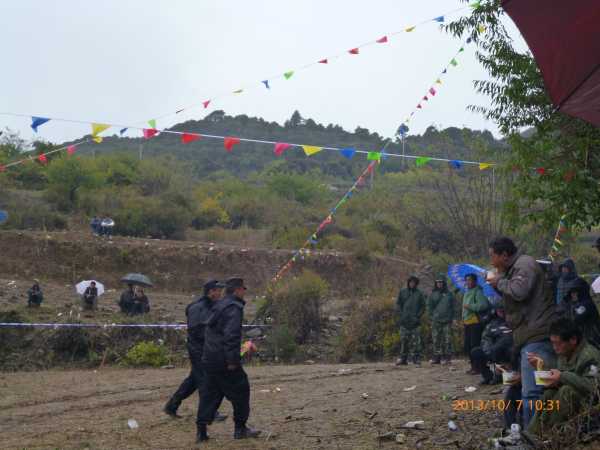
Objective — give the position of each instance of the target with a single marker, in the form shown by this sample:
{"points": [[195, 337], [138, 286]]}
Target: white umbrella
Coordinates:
{"points": [[83, 285], [596, 286]]}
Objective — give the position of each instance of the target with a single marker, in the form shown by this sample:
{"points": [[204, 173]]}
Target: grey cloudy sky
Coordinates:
{"points": [[127, 61]]}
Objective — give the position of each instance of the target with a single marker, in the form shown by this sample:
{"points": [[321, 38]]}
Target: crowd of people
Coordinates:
{"points": [[133, 301], [102, 226], [545, 318]]}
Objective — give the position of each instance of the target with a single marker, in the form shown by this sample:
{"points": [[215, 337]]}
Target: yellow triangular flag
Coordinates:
{"points": [[98, 139], [483, 166], [438, 81], [311, 149], [239, 91], [98, 128], [409, 29], [481, 28]]}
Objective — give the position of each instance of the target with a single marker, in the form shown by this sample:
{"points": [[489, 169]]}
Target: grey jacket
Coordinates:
{"points": [[528, 300]]}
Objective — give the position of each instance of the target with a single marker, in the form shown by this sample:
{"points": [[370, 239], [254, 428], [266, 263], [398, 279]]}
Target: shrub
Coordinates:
{"points": [[297, 305], [147, 353], [210, 213], [282, 343]]}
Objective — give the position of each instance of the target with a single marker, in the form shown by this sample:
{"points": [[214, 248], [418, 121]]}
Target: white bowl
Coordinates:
{"points": [[541, 377], [508, 377]]}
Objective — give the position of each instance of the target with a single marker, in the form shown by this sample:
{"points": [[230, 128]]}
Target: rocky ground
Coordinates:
{"points": [[298, 407]]}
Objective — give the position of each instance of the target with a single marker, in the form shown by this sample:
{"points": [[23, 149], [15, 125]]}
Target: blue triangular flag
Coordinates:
{"points": [[37, 121], [348, 152], [469, 40], [123, 130], [313, 241], [439, 19], [266, 83], [445, 70], [456, 164]]}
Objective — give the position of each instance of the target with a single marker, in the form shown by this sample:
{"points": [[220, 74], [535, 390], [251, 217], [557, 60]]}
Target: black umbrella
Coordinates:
{"points": [[138, 279]]}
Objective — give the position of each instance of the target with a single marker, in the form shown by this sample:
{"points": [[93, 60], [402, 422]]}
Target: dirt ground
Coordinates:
{"points": [[298, 407]]}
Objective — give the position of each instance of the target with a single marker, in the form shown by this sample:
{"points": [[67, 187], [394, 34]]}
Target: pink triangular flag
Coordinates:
{"points": [[2, 168], [71, 149], [432, 91], [419, 106], [206, 103], [229, 142], [323, 61], [353, 51], [425, 98], [150, 132], [186, 138], [42, 158], [281, 147], [382, 40]]}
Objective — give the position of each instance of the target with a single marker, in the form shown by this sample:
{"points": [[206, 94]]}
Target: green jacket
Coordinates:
{"points": [[474, 302], [440, 306], [577, 371], [410, 307]]}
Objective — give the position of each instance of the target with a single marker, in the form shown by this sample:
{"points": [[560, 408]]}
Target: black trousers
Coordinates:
{"points": [[194, 382], [230, 384], [479, 360], [512, 413], [472, 339]]}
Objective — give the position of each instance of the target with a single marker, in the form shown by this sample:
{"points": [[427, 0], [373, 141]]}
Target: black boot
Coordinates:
{"points": [[171, 409], [402, 361], [417, 361], [202, 434], [243, 432], [437, 359]]}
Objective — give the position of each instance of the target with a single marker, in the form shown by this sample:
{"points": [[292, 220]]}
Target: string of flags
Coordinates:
{"points": [[230, 143], [557, 242], [105, 325], [266, 83], [313, 238]]}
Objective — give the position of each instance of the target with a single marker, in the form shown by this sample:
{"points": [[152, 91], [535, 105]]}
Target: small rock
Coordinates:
{"points": [[417, 424], [470, 389], [408, 389], [168, 366], [309, 361], [364, 395], [132, 424], [452, 425], [452, 416], [400, 438]]}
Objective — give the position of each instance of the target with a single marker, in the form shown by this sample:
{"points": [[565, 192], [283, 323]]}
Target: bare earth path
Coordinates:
{"points": [[303, 406]]}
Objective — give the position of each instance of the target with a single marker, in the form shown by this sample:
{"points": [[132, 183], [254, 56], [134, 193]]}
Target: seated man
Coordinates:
{"points": [[496, 345], [141, 304], [579, 307], [127, 302], [571, 386], [35, 297], [90, 297]]}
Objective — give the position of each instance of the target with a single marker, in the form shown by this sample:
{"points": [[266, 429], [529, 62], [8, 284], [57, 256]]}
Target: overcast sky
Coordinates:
{"points": [[127, 61]]}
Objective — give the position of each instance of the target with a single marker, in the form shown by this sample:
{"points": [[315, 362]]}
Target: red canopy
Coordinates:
{"points": [[564, 37]]}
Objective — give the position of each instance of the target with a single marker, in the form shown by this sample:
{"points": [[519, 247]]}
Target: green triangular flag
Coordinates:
{"points": [[422, 160], [152, 123], [373, 156], [475, 5], [454, 62], [288, 75], [462, 49]]}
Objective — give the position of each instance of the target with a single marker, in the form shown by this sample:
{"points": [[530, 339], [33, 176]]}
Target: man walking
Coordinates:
{"points": [[197, 313], [529, 305], [410, 306], [475, 303], [222, 363], [440, 306]]}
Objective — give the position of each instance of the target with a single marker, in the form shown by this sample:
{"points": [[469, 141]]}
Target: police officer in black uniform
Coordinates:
{"points": [[197, 314], [221, 360]]}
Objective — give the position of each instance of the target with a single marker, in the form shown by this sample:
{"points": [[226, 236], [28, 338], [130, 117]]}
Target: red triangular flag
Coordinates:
{"points": [[382, 40], [186, 138], [42, 158], [150, 132], [229, 142], [540, 170], [425, 98], [71, 149], [323, 61], [419, 106], [432, 91], [353, 51], [2, 168], [370, 167], [281, 147], [206, 103]]}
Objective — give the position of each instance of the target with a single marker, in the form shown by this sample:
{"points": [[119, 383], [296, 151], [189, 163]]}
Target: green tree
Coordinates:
{"points": [[66, 176], [565, 148]]}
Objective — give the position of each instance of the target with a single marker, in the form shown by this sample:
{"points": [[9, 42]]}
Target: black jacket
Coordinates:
{"points": [[223, 339], [90, 293], [197, 313], [583, 311], [497, 340]]}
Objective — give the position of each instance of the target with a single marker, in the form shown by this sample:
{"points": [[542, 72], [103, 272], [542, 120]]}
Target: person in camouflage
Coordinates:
{"points": [[440, 306], [573, 385], [410, 306]]}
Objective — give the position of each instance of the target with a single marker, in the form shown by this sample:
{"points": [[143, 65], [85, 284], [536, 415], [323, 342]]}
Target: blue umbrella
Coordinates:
{"points": [[3, 216], [458, 272]]}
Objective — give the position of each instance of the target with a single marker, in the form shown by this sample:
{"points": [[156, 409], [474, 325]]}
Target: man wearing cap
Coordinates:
{"points": [[410, 307], [197, 314], [440, 305], [222, 363]]}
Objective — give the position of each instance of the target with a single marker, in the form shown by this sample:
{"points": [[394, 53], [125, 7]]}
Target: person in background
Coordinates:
{"points": [[410, 306], [496, 345], [141, 304], [440, 306], [126, 301], [106, 226], [579, 307], [573, 384], [530, 308], [474, 303], [597, 247], [567, 277], [90, 297], [197, 313], [35, 297], [95, 225]]}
